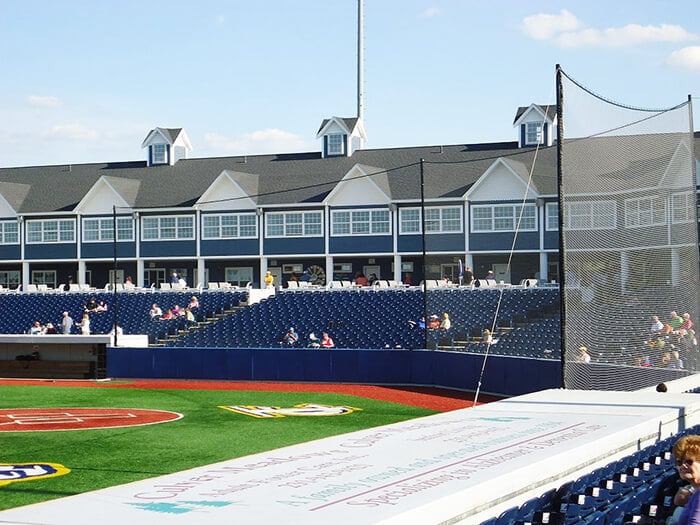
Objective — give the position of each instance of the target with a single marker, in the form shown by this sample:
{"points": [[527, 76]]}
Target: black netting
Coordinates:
{"points": [[629, 240]]}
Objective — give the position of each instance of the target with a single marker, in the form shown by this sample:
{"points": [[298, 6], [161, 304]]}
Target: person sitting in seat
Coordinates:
{"points": [[657, 327], [36, 329], [156, 312], [290, 337], [326, 341], [91, 305], [314, 342], [445, 324], [194, 303], [433, 323], [360, 279], [168, 315]]}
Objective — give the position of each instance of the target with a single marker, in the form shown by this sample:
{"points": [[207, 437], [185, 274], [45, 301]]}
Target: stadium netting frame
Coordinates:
{"points": [[628, 237]]}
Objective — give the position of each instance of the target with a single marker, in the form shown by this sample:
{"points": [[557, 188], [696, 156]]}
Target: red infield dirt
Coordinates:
{"points": [[439, 399]]}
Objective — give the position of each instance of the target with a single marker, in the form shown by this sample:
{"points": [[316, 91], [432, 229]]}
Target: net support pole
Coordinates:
{"points": [[423, 253], [114, 276], [562, 273]]}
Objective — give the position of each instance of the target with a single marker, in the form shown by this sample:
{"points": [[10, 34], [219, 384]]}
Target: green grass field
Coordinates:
{"points": [[207, 434]]}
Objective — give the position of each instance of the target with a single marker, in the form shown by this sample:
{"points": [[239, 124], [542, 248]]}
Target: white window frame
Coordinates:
{"points": [[590, 215], [237, 275], [47, 277], [335, 144], [159, 154], [551, 220], [232, 230], [288, 226], [433, 226], [9, 232], [10, 278], [356, 222], [534, 133], [181, 223], [64, 231], [653, 215], [682, 206], [503, 212], [105, 229]]}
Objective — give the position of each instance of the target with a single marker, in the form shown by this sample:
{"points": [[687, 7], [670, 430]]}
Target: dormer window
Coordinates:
{"points": [[533, 133], [159, 154], [335, 144]]}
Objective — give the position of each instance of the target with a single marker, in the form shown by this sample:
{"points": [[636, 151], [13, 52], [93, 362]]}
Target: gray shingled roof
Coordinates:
{"points": [[281, 179]]}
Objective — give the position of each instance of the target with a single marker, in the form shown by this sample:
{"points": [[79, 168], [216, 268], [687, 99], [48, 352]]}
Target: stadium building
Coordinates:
{"points": [[318, 216]]}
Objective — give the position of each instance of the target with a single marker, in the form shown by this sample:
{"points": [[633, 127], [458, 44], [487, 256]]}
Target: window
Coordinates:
{"points": [[159, 154], [230, 226], [9, 232], [590, 215], [682, 205], [409, 220], [175, 227], [50, 231], [47, 277], [533, 133], [645, 211], [239, 276], [446, 219], [102, 230], [552, 211], [335, 144], [503, 218], [9, 279], [293, 224], [360, 222]]}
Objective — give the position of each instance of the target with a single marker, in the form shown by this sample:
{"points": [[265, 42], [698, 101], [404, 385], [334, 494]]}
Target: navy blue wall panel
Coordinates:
{"points": [[51, 251], [227, 247], [168, 248], [503, 375], [360, 244], [100, 250], [9, 252], [289, 245]]}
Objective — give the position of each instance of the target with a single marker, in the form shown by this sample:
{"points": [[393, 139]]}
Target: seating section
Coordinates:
{"points": [[526, 324], [359, 318], [639, 485], [131, 308]]}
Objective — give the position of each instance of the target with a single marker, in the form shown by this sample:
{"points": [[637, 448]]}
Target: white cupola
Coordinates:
{"points": [[166, 146], [536, 125], [341, 136]]}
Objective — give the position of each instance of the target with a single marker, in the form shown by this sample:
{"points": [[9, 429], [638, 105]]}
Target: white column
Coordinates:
{"points": [[397, 268], [675, 267], [624, 271], [140, 273], [25, 275], [201, 272], [544, 265], [263, 271], [329, 269], [81, 272]]}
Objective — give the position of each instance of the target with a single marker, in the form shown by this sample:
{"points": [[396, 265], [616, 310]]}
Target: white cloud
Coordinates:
{"points": [[220, 20], [430, 12], [544, 26], [629, 35], [686, 58], [256, 142], [72, 132], [566, 30], [44, 102]]}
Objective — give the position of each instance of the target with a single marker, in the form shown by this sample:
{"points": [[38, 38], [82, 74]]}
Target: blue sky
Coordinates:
{"points": [[84, 81]]}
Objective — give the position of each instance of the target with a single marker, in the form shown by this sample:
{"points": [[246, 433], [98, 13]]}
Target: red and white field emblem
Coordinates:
{"points": [[38, 419]]}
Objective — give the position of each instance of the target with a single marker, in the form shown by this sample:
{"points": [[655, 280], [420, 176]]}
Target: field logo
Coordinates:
{"points": [[10, 473], [41, 419], [305, 409], [180, 507]]}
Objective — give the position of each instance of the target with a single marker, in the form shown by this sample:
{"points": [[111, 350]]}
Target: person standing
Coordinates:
{"points": [[66, 323], [269, 279], [85, 325]]}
